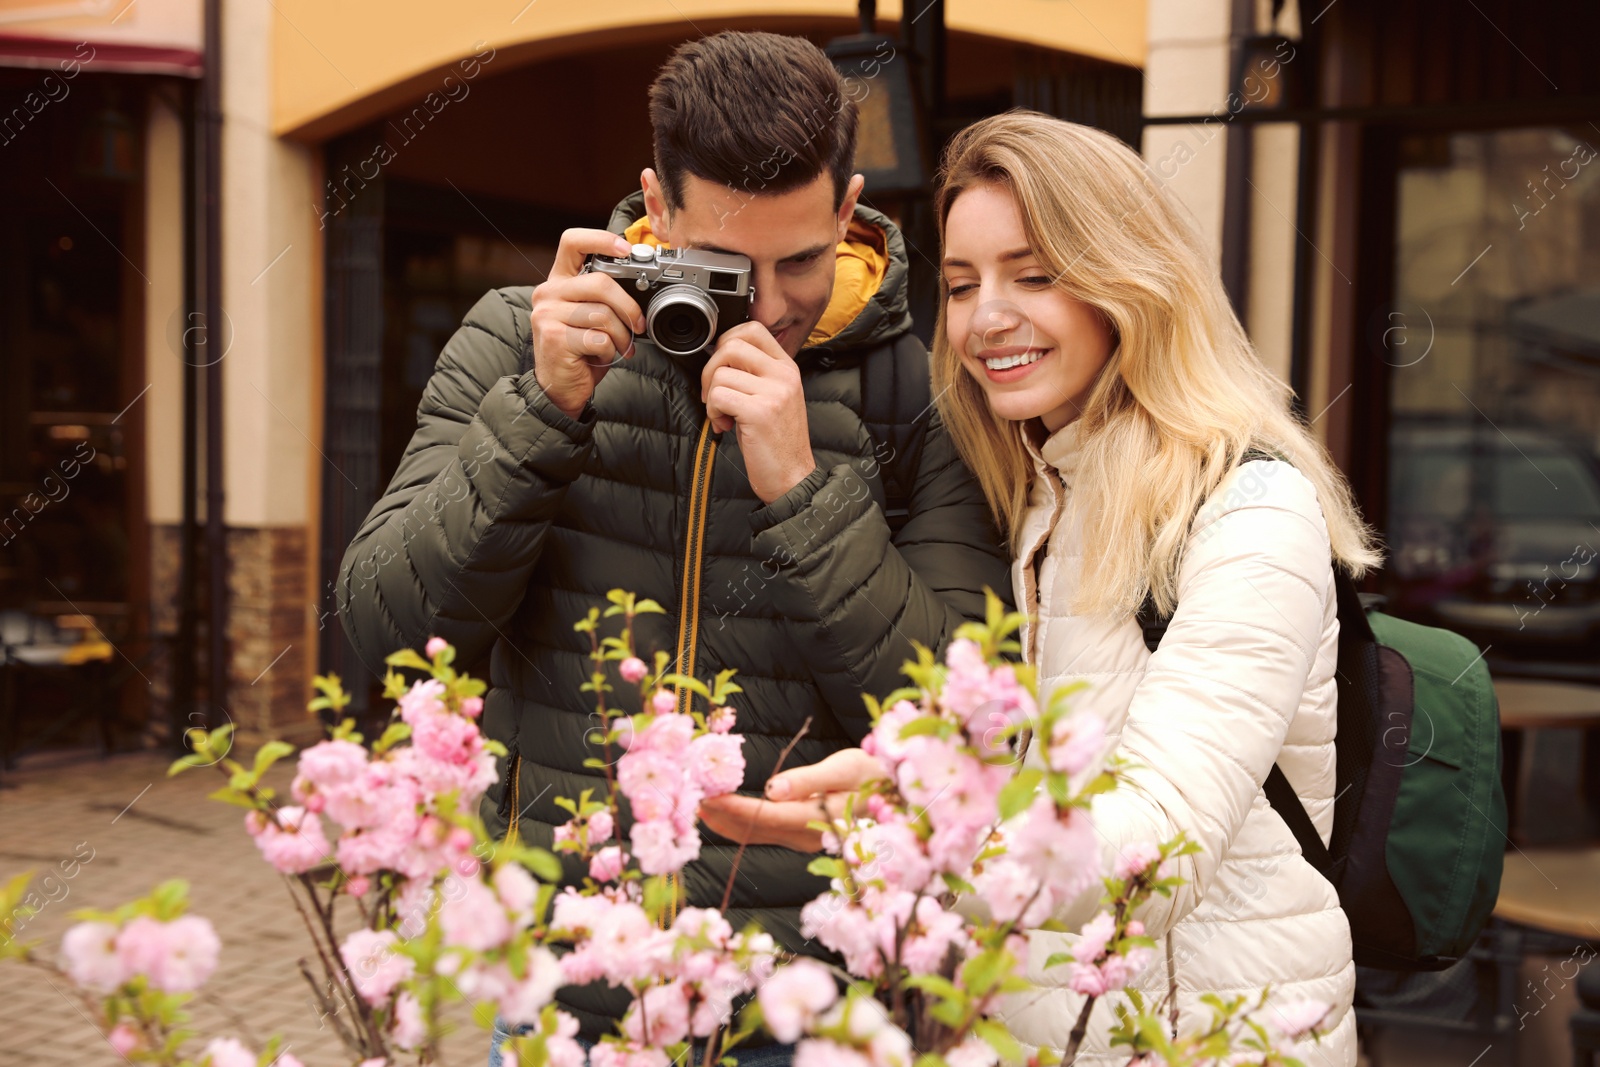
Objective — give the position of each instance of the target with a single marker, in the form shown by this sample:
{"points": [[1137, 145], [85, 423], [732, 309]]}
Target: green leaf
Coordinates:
{"points": [[183, 763], [393, 734], [1018, 793], [271, 753], [959, 885], [828, 867], [999, 1039], [229, 795], [935, 985], [408, 657], [483, 1014], [1056, 959], [927, 725]]}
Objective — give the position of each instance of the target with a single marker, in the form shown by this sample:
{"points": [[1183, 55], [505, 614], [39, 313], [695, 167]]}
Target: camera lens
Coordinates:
{"points": [[681, 320]]}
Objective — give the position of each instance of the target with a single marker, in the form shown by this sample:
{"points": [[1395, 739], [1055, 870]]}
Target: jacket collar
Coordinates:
{"points": [[1055, 453]]}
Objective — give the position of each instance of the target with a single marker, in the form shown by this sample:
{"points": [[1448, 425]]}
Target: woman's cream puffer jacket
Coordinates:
{"points": [[1243, 678]]}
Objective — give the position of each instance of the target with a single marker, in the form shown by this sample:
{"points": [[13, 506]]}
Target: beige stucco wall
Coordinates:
{"points": [[163, 310], [271, 247], [330, 57], [1187, 73]]}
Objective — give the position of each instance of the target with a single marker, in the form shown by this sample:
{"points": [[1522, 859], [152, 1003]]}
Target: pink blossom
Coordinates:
{"points": [[616, 1054], [622, 937], [1135, 858], [794, 996], [228, 1052], [123, 1038], [358, 886], [925, 952], [664, 702], [472, 707], [1296, 1020], [92, 959], [370, 851], [601, 827], [1012, 894], [376, 966], [660, 1017], [374, 796], [819, 1052], [716, 763], [847, 929], [952, 848], [423, 698], [894, 853], [331, 763], [295, 843], [446, 738], [966, 685], [973, 1052], [376, 1061], [176, 956], [435, 646], [517, 891], [1094, 938], [1061, 852], [721, 720], [633, 670], [660, 849], [1087, 979], [561, 1048], [1075, 742], [885, 736], [407, 1028], [527, 996], [607, 864], [650, 780], [667, 734], [473, 917]]}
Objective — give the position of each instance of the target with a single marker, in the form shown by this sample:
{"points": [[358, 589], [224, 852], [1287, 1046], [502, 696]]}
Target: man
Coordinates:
{"points": [[559, 455]]}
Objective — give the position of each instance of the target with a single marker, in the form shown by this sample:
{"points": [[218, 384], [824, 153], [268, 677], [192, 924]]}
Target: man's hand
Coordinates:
{"points": [[794, 798], [582, 323], [751, 384]]}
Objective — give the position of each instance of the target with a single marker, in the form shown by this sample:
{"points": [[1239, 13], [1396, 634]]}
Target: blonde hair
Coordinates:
{"points": [[1182, 396]]}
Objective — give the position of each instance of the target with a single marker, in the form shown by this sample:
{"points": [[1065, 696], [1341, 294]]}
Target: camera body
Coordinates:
{"points": [[689, 297]]}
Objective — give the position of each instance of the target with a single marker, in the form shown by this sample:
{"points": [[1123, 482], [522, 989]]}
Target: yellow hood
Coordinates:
{"points": [[859, 272]]}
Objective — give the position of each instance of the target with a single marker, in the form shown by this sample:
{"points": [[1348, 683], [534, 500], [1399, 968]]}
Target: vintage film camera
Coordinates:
{"points": [[690, 297]]}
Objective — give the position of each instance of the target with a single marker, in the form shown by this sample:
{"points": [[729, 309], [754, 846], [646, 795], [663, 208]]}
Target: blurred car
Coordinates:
{"points": [[1495, 533]]}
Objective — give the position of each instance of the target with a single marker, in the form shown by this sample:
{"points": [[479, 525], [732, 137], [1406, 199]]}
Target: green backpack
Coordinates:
{"points": [[1419, 819]]}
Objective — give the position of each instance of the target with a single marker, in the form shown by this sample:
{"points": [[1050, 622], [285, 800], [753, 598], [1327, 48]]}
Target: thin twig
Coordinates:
{"points": [[1079, 1028], [327, 967], [330, 1010], [733, 872]]}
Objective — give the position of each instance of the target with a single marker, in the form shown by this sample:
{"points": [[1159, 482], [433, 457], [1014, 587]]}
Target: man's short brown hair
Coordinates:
{"points": [[758, 112]]}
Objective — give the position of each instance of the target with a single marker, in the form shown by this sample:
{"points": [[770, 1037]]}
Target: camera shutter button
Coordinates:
{"points": [[643, 253]]}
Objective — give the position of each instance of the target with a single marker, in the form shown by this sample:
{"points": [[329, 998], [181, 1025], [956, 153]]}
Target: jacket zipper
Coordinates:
{"points": [[512, 793], [694, 552]]}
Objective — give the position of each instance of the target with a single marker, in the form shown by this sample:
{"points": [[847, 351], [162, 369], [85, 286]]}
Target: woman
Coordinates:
{"points": [[1090, 368]]}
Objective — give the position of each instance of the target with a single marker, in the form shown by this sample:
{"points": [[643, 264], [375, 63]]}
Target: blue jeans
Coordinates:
{"points": [[759, 1056]]}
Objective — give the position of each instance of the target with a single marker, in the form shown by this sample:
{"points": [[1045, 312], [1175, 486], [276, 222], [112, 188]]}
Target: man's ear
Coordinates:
{"points": [[655, 204], [847, 206]]}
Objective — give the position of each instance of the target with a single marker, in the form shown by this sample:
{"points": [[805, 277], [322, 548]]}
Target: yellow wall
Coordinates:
{"points": [[337, 65]]}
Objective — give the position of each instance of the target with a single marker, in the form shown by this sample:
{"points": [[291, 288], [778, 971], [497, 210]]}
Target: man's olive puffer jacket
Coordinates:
{"points": [[507, 521]]}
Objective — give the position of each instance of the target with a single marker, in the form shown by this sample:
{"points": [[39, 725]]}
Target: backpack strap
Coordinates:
{"points": [[1286, 802], [896, 393]]}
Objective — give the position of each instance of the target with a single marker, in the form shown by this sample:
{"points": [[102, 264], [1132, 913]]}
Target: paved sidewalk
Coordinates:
{"points": [[141, 827]]}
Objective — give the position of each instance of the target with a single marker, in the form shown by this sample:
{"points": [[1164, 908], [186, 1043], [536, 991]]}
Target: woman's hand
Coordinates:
{"points": [[794, 798]]}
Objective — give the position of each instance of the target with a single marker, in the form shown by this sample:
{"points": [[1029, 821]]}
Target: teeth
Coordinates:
{"points": [[1019, 360]]}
